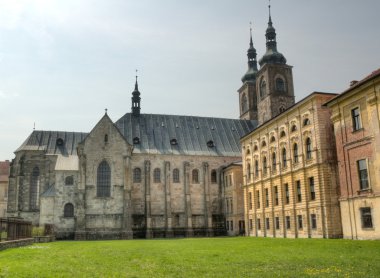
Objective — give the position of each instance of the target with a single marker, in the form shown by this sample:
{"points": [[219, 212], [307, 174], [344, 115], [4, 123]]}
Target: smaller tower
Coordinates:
{"points": [[247, 92], [136, 100]]}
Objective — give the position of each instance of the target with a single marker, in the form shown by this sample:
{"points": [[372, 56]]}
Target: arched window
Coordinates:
{"points": [[284, 161], [274, 162], [248, 152], [255, 148], [295, 153], [137, 175], [280, 85], [308, 148], [306, 122], [34, 188], [272, 139], [294, 128], [256, 168], [249, 171], [244, 103], [156, 175], [263, 144], [69, 180], [68, 210], [103, 184], [176, 175], [265, 166], [263, 88], [283, 134], [213, 176], [195, 175]]}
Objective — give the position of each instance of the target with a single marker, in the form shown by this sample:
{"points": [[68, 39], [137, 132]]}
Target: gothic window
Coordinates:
{"points": [[308, 148], [274, 162], [306, 122], [283, 134], [273, 139], [294, 128], [263, 88], [68, 210], [69, 180], [213, 176], [263, 144], [137, 175], [34, 188], [295, 153], [280, 85], [284, 161], [244, 104], [156, 175], [176, 175], [195, 176], [103, 184]]}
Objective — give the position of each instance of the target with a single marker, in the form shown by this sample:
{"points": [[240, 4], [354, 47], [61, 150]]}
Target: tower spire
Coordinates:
{"points": [[136, 99], [250, 75]]}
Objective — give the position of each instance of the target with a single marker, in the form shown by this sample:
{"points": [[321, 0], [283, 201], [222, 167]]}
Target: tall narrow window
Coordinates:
{"points": [[287, 197], [356, 123], [213, 176], [249, 171], [363, 174], [300, 224], [68, 210], [256, 168], [313, 220], [250, 200], [267, 223], [280, 85], [176, 175], [34, 188], [258, 224], [308, 148], [284, 161], [137, 175], [287, 221], [366, 217], [312, 188], [295, 153], [244, 104], [263, 88], [266, 197], [306, 122], [258, 198], [265, 166], [274, 162], [276, 195], [103, 184], [299, 195], [277, 222], [156, 175]]}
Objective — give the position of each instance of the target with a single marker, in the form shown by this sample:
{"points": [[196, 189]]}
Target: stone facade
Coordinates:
{"points": [[233, 203], [4, 177], [289, 170], [357, 131]]}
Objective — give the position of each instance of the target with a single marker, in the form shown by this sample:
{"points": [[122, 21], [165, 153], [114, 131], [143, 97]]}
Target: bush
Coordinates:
{"points": [[38, 231]]}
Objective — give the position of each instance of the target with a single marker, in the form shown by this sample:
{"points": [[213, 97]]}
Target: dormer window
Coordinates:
{"points": [[59, 142], [210, 144], [173, 142], [136, 140]]}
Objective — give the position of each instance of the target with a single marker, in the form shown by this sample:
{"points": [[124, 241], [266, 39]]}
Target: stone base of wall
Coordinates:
{"points": [[16, 243]]}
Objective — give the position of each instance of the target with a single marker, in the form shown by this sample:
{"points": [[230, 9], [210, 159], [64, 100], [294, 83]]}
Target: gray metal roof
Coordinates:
{"points": [[192, 134], [47, 141]]}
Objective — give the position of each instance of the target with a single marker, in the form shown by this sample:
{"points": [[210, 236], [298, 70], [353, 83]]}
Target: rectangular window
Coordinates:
{"points": [[299, 195], [312, 188], [230, 180], [363, 174], [287, 220], [232, 225], [258, 198], [250, 224], [232, 206], [277, 221], [250, 200], [227, 205], [300, 224], [267, 224], [313, 218], [356, 123], [276, 195], [256, 168], [228, 225], [258, 224], [287, 198], [266, 197], [366, 217]]}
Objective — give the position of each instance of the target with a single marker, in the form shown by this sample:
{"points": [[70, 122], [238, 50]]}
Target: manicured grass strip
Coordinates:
{"points": [[203, 257]]}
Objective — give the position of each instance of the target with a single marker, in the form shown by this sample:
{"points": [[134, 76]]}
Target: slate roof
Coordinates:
{"points": [[192, 134], [155, 133]]}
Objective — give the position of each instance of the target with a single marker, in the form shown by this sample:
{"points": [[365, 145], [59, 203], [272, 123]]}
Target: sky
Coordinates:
{"points": [[63, 62]]}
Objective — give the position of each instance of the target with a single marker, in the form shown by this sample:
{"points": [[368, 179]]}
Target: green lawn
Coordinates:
{"points": [[204, 257]]}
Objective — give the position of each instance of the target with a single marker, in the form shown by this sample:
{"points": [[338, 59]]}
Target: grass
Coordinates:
{"points": [[202, 257]]}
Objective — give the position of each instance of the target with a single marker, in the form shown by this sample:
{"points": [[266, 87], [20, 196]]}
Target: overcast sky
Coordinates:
{"points": [[63, 62]]}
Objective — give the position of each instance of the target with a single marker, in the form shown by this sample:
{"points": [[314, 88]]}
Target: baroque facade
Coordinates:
{"points": [[355, 115]]}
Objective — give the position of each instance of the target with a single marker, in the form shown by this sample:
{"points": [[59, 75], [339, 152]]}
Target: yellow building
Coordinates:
{"points": [[233, 199], [289, 172], [355, 114]]}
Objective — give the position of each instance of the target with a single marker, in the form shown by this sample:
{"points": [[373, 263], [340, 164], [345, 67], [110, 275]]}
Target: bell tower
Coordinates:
{"points": [[274, 80], [247, 92]]}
